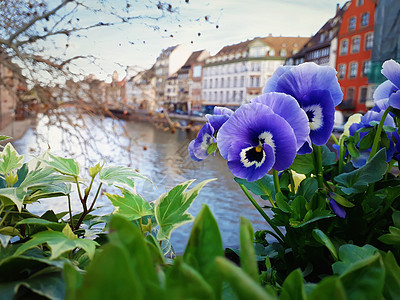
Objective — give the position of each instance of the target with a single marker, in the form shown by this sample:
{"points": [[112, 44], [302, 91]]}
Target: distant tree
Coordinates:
{"points": [[35, 36]]}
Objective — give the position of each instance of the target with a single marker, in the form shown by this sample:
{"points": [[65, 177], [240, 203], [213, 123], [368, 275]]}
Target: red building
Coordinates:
{"points": [[355, 42]]}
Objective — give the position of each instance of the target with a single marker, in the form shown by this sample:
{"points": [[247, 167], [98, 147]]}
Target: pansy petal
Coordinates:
{"points": [[391, 70], [337, 209], [216, 121], [273, 81], [306, 148], [220, 110], [255, 121], [394, 100], [320, 110], [246, 162], [203, 140], [191, 152], [237, 127], [384, 90], [289, 109], [302, 79]]}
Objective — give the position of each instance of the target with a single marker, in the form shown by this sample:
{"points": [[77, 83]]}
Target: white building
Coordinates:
{"points": [[238, 73], [140, 91], [169, 62]]}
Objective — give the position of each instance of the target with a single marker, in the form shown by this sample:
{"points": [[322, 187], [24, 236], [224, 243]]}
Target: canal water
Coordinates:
{"points": [[155, 152]]}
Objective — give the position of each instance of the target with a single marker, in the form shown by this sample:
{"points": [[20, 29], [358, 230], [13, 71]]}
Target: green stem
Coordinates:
{"points": [[391, 164], [334, 139], [318, 165], [375, 144], [341, 154], [95, 197], [276, 181], [70, 213], [88, 190], [263, 214]]}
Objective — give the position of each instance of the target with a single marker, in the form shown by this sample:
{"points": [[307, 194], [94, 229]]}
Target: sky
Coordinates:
{"points": [[229, 22]]}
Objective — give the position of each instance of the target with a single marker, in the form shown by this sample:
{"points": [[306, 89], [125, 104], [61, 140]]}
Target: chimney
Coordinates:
{"points": [[337, 8]]}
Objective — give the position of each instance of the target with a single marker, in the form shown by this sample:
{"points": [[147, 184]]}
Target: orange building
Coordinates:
{"points": [[353, 63]]}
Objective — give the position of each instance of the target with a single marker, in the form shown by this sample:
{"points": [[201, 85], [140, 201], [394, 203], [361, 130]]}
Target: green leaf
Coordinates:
{"points": [[357, 181], [328, 157], [66, 166], [110, 276], [396, 218], [262, 187], [247, 253], [307, 188], [323, 239], [130, 205], [59, 242], [55, 189], [171, 208], [126, 235], [392, 238], [43, 177], [341, 200], [5, 137], [10, 159], [93, 171], [11, 196], [212, 148], [4, 240], [293, 287], [184, 282], [392, 277], [73, 281], [242, 284], [367, 140], [329, 288], [42, 222], [350, 254], [119, 176], [281, 202], [303, 164], [364, 279], [204, 245]]}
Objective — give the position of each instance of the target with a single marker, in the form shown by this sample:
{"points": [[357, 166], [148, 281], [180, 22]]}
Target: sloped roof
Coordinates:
{"points": [[333, 25]]}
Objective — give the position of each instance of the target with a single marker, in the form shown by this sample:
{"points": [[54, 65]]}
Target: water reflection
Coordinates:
{"points": [[158, 154]]}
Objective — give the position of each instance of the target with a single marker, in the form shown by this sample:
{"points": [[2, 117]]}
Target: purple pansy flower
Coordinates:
{"points": [[254, 140], [369, 117], [337, 209], [220, 116], [387, 94], [198, 147], [289, 109], [317, 90]]}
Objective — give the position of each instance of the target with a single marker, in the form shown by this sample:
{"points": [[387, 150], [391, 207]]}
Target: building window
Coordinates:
{"points": [[222, 82], [363, 94], [344, 47], [216, 82], [221, 96], [365, 19], [355, 44], [342, 71], [369, 41], [360, 2], [353, 70], [283, 52], [234, 96], [242, 81], [366, 68], [352, 23], [211, 83], [228, 82], [235, 81], [241, 95], [350, 94]]}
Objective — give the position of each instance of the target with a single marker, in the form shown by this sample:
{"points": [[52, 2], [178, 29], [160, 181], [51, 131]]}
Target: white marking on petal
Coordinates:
{"points": [[207, 140], [246, 162], [317, 120], [267, 138]]}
